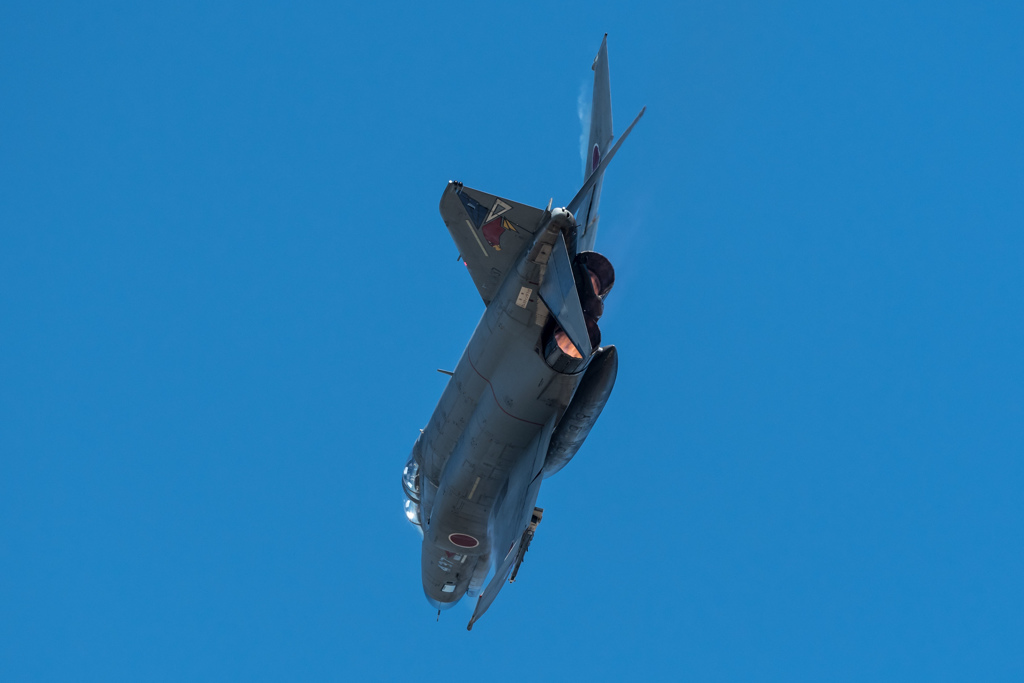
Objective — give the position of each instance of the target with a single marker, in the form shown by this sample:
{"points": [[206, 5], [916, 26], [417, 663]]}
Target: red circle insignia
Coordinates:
{"points": [[463, 540]]}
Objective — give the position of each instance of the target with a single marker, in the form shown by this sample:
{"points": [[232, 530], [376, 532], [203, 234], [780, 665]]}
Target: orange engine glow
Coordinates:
{"points": [[567, 347]]}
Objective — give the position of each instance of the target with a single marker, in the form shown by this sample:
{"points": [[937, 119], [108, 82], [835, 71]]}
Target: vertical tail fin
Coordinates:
{"points": [[600, 140]]}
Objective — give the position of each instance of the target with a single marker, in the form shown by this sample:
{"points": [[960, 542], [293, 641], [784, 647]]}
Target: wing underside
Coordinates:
{"points": [[490, 233], [522, 511]]}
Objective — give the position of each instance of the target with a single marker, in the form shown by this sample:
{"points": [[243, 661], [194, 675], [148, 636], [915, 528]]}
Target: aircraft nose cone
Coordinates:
{"points": [[439, 605], [445, 574], [445, 593]]}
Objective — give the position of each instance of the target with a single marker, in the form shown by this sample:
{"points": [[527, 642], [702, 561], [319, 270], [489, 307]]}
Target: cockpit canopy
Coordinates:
{"points": [[411, 486], [412, 512], [411, 480]]}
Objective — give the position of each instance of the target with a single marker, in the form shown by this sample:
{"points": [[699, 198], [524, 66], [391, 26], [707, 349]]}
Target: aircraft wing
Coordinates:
{"points": [[497, 581], [490, 233], [501, 574]]}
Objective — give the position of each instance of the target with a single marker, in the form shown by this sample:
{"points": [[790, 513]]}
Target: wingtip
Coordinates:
{"points": [[603, 48]]}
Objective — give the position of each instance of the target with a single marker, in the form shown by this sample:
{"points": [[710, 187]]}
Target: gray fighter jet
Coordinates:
{"points": [[530, 384]]}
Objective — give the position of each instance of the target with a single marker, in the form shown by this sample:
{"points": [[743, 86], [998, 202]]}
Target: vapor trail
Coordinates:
{"points": [[583, 104]]}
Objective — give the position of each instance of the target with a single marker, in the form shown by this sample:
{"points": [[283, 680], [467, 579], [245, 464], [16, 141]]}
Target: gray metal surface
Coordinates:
{"points": [[598, 142], [475, 471], [558, 291], [580, 417], [489, 232]]}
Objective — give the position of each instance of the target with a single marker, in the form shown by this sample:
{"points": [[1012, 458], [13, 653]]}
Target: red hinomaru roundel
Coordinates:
{"points": [[463, 540]]}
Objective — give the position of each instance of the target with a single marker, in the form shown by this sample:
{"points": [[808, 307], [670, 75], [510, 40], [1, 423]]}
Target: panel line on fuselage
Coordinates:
{"points": [[495, 396]]}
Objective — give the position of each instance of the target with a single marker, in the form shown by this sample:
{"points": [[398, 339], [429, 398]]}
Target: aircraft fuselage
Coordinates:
{"points": [[531, 383], [482, 452]]}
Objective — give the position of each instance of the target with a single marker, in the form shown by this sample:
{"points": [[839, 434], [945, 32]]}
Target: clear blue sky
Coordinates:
{"points": [[225, 289]]}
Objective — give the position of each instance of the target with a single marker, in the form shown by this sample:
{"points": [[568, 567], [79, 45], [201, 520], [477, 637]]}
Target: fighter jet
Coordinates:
{"points": [[530, 384]]}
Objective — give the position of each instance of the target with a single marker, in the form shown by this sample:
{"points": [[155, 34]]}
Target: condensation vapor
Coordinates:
{"points": [[627, 243], [583, 105]]}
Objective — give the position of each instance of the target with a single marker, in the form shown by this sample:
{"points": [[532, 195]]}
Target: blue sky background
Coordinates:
{"points": [[225, 289]]}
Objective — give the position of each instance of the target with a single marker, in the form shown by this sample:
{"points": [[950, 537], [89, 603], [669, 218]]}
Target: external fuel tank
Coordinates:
{"points": [[584, 409]]}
